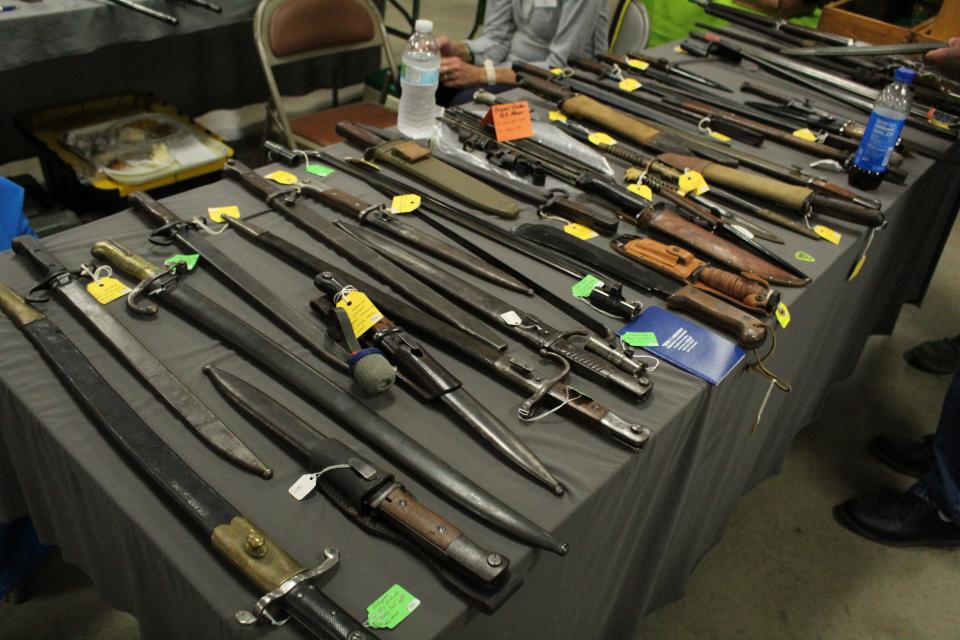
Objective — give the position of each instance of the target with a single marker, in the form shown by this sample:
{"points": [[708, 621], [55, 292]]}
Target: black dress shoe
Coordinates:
{"points": [[936, 356], [898, 520], [912, 457]]}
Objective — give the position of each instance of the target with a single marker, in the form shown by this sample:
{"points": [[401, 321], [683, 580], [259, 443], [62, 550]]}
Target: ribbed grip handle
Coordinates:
{"points": [[142, 201], [322, 616], [123, 259], [358, 135], [750, 293], [16, 308]]}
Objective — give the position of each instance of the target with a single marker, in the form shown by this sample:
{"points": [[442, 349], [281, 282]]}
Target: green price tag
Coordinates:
{"points": [[583, 288], [189, 260], [321, 170], [640, 339], [392, 608], [803, 256]]}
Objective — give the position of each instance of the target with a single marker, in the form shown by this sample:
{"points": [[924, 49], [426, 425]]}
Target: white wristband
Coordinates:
{"points": [[491, 71]]}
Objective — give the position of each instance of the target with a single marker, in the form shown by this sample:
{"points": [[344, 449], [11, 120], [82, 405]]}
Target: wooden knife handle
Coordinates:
{"points": [[751, 333], [750, 293], [531, 70], [142, 201], [358, 135], [586, 64]]}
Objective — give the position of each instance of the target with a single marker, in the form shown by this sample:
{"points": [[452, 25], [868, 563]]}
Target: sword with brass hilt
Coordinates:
{"points": [[346, 410], [191, 411], [288, 584], [374, 499]]}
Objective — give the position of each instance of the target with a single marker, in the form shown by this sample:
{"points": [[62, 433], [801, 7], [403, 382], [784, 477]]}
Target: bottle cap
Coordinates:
{"points": [[424, 26], [904, 75]]}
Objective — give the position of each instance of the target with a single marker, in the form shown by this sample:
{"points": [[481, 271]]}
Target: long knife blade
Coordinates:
{"points": [[347, 410], [230, 533], [864, 50], [174, 393]]}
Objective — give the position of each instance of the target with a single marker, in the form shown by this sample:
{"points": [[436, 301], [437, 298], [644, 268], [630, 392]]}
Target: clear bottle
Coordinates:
{"points": [[882, 132], [419, 78]]}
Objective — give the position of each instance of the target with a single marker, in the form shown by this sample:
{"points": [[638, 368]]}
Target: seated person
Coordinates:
{"points": [[541, 32]]}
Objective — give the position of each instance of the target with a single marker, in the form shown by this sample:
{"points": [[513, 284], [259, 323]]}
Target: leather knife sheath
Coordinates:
{"points": [[672, 225], [414, 159]]}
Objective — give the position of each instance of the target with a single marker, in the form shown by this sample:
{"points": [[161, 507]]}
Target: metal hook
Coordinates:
{"points": [[527, 406], [133, 298]]}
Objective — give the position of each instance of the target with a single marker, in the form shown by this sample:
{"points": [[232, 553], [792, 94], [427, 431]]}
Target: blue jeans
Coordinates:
{"points": [[941, 486]]}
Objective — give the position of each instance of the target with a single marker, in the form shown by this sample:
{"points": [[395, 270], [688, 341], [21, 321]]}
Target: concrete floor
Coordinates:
{"points": [[784, 568]]}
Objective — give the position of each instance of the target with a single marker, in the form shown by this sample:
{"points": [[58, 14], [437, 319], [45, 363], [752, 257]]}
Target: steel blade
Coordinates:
{"points": [[866, 50]]}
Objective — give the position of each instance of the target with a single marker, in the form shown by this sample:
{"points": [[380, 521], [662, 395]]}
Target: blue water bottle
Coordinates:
{"points": [[882, 133]]}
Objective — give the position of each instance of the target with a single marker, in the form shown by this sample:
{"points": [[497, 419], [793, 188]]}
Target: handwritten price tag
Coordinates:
{"points": [[511, 121], [827, 234], [106, 290], [361, 311], [692, 181], [392, 608], [640, 339], [641, 190], [583, 288], [216, 213]]}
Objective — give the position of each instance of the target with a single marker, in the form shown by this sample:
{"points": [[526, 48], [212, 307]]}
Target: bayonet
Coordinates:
{"points": [[262, 561], [864, 50], [346, 410], [187, 406], [665, 66]]}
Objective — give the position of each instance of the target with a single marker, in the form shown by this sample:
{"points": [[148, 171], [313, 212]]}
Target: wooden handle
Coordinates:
{"points": [[144, 202], [124, 260], [358, 135], [750, 293], [842, 210], [751, 333], [531, 70], [586, 64], [544, 88]]}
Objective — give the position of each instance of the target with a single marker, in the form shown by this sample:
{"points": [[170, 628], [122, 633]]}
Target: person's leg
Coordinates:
{"points": [[936, 356], [942, 484]]}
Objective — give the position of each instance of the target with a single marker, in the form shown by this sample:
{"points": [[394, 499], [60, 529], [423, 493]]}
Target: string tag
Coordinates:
{"points": [[189, 260], [640, 65], [858, 265], [363, 314], [282, 177], [557, 115], [601, 139], [783, 315], [583, 288], [579, 231], [406, 203], [392, 608], [828, 234], [216, 213], [303, 486], [692, 181], [641, 190], [512, 318], [805, 134], [105, 290], [629, 85], [640, 339]]}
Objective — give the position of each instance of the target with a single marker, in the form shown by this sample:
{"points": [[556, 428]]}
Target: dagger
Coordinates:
{"points": [[238, 540], [161, 380], [344, 408]]}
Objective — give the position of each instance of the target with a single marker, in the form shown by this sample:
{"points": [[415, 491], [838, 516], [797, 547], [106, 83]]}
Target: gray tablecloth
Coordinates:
{"points": [[637, 523]]}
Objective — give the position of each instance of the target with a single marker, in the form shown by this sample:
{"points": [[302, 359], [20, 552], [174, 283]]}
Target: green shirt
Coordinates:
{"points": [[673, 19]]}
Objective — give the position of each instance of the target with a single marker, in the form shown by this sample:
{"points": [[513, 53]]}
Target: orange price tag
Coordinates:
{"points": [[511, 121]]}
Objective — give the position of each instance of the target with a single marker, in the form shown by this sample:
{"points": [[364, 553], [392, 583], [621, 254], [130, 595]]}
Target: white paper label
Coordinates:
{"points": [[303, 486], [511, 318]]}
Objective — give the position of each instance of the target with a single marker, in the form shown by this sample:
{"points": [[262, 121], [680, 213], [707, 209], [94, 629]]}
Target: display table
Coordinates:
{"points": [[637, 522]]}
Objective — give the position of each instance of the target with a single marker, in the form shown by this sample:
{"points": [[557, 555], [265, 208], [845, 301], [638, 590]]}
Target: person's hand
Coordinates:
{"points": [[456, 73], [946, 60], [449, 48]]}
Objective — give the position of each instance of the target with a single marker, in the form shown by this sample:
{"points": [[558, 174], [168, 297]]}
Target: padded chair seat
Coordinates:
{"points": [[320, 127]]}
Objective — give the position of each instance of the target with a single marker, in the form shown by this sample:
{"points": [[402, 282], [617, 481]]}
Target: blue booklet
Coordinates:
{"points": [[683, 344]]}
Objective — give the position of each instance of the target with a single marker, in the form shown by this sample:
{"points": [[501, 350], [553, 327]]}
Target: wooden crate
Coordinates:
{"points": [[839, 18]]}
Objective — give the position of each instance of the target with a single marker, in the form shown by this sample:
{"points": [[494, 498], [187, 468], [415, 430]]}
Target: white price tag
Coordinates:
{"points": [[512, 318], [303, 486]]}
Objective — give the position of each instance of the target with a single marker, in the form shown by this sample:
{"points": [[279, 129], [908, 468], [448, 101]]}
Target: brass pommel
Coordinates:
{"points": [[124, 259], [256, 544], [17, 308]]}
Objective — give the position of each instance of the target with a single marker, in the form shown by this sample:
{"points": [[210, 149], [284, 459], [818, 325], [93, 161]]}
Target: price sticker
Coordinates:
{"points": [[679, 49], [692, 182], [190, 260], [106, 290], [303, 486], [641, 65], [392, 608], [601, 139], [629, 84], [406, 203], [805, 134], [512, 318], [511, 121], [580, 231], [857, 268], [583, 288], [803, 256], [827, 234], [641, 190], [640, 339], [557, 115], [216, 213], [558, 71], [320, 170], [282, 177], [361, 311], [716, 135], [783, 315]]}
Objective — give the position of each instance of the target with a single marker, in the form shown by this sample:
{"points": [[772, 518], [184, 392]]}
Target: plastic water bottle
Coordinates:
{"points": [[882, 133], [419, 78]]}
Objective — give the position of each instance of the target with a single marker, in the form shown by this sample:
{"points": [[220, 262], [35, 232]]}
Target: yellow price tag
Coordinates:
{"points": [[106, 290], [558, 71], [362, 312], [805, 134], [783, 315], [857, 267], [827, 234], [216, 213], [629, 84], [600, 138], [405, 203], [719, 136], [679, 49], [557, 115], [642, 65], [641, 190], [282, 177], [692, 181], [580, 231]]}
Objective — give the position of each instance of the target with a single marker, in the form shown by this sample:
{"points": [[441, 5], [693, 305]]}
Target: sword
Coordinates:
{"points": [[751, 332], [864, 50], [502, 365], [374, 374], [286, 202], [171, 390], [344, 408], [373, 499], [287, 583]]}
